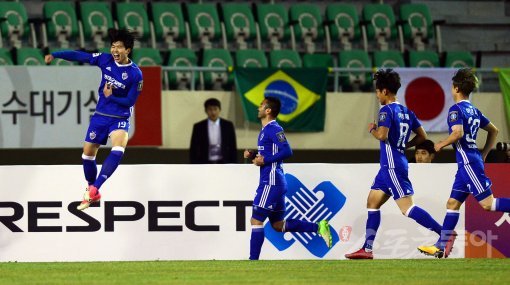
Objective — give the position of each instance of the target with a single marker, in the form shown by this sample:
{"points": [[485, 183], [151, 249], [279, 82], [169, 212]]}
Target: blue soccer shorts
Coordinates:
{"points": [[101, 127], [269, 203], [471, 179], [393, 182]]}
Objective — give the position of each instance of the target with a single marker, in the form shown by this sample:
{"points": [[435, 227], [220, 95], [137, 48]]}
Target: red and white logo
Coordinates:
{"points": [[345, 233], [427, 92]]}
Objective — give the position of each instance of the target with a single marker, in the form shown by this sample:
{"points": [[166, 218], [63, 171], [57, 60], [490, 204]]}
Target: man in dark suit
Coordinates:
{"points": [[214, 139]]}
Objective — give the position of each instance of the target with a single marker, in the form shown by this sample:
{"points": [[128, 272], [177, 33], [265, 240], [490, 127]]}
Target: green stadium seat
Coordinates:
{"points": [[380, 24], [169, 23], [423, 59], [29, 56], [416, 24], [251, 58], [217, 58], [96, 19], [343, 24], [133, 16], [284, 59], [146, 57], [459, 59], [5, 57], [204, 24], [61, 23], [354, 80], [273, 23], [15, 26], [318, 60], [389, 59], [239, 23], [60, 61], [184, 58], [308, 25]]}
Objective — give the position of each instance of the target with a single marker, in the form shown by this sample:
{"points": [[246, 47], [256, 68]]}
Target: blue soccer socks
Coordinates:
{"points": [[300, 226], [450, 221], [423, 218], [501, 205], [89, 168], [109, 165], [256, 241], [373, 222]]}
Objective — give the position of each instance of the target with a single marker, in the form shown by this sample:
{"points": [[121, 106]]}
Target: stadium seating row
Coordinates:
{"points": [[181, 57], [233, 26]]}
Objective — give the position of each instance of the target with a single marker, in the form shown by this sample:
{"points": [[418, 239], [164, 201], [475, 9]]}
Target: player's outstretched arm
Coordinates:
{"points": [[491, 139], [72, 55], [457, 133], [421, 136]]}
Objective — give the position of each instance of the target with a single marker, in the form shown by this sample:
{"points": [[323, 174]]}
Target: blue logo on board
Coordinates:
{"points": [[321, 203]]}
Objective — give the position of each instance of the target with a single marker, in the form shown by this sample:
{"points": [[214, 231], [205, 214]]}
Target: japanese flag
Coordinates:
{"points": [[427, 92]]}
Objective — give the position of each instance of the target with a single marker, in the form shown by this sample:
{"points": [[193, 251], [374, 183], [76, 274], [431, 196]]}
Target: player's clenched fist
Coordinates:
{"points": [[48, 58]]}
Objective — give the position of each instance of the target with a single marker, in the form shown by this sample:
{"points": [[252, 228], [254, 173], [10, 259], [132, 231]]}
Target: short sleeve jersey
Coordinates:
{"points": [[400, 121], [465, 114], [272, 140]]}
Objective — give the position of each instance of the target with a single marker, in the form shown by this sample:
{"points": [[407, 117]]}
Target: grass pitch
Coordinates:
{"points": [[310, 272]]}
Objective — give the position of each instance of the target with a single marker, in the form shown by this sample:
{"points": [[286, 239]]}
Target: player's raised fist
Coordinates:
{"points": [[48, 58]]}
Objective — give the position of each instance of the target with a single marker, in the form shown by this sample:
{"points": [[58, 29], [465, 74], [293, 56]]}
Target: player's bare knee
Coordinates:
{"points": [[278, 227], [486, 207], [453, 204]]}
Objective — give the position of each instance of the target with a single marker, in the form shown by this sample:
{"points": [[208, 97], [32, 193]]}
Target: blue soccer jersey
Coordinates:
{"points": [[273, 146], [126, 79], [465, 114], [400, 121]]}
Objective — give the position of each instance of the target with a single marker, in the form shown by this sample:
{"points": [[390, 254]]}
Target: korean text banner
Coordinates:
{"points": [[46, 106], [302, 92]]}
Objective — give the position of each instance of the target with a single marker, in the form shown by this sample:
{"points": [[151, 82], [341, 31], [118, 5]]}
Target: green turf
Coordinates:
{"points": [[310, 272]]}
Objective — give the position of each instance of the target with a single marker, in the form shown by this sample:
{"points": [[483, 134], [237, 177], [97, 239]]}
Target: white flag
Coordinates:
{"points": [[427, 92]]}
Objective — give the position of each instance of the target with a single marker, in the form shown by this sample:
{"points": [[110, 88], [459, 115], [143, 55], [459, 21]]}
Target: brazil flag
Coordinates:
{"points": [[302, 92]]}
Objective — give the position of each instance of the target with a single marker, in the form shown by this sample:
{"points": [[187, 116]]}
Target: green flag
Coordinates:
{"points": [[504, 83], [302, 92]]}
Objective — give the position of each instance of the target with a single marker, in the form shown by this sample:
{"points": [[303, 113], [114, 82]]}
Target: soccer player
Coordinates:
{"points": [[121, 83], [395, 125], [425, 152], [464, 121], [269, 200]]}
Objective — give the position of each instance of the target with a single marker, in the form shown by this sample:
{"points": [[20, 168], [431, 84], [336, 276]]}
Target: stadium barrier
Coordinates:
{"points": [[201, 212]]}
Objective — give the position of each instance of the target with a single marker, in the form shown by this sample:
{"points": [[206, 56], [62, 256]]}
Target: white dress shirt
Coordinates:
{"points": [[214, 131]]}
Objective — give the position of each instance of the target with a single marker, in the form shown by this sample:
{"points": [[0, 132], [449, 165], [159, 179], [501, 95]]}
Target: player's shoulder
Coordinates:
{"points": [[135, 69]]}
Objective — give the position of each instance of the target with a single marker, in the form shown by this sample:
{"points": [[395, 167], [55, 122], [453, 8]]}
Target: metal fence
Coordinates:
{"points": [[186, 76]]}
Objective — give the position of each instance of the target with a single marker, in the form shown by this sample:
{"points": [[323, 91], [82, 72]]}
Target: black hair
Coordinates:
{"points": [[122, 35], [212, 102], [466, 80], [387, 79], [427, 145], [274, 104]]}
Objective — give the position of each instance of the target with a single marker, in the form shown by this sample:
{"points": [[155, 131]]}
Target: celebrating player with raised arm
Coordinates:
{"points": [[121, 83], [464, 121], [269, 200], [395, 125]]}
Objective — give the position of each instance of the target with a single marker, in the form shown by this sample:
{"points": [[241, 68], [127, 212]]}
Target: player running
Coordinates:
{"points": [[464, 121], [121, 83], [269, 200], [395, 125]]}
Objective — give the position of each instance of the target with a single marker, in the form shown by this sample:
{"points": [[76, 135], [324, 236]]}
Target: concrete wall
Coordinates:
{"points": [[347, 116]]}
